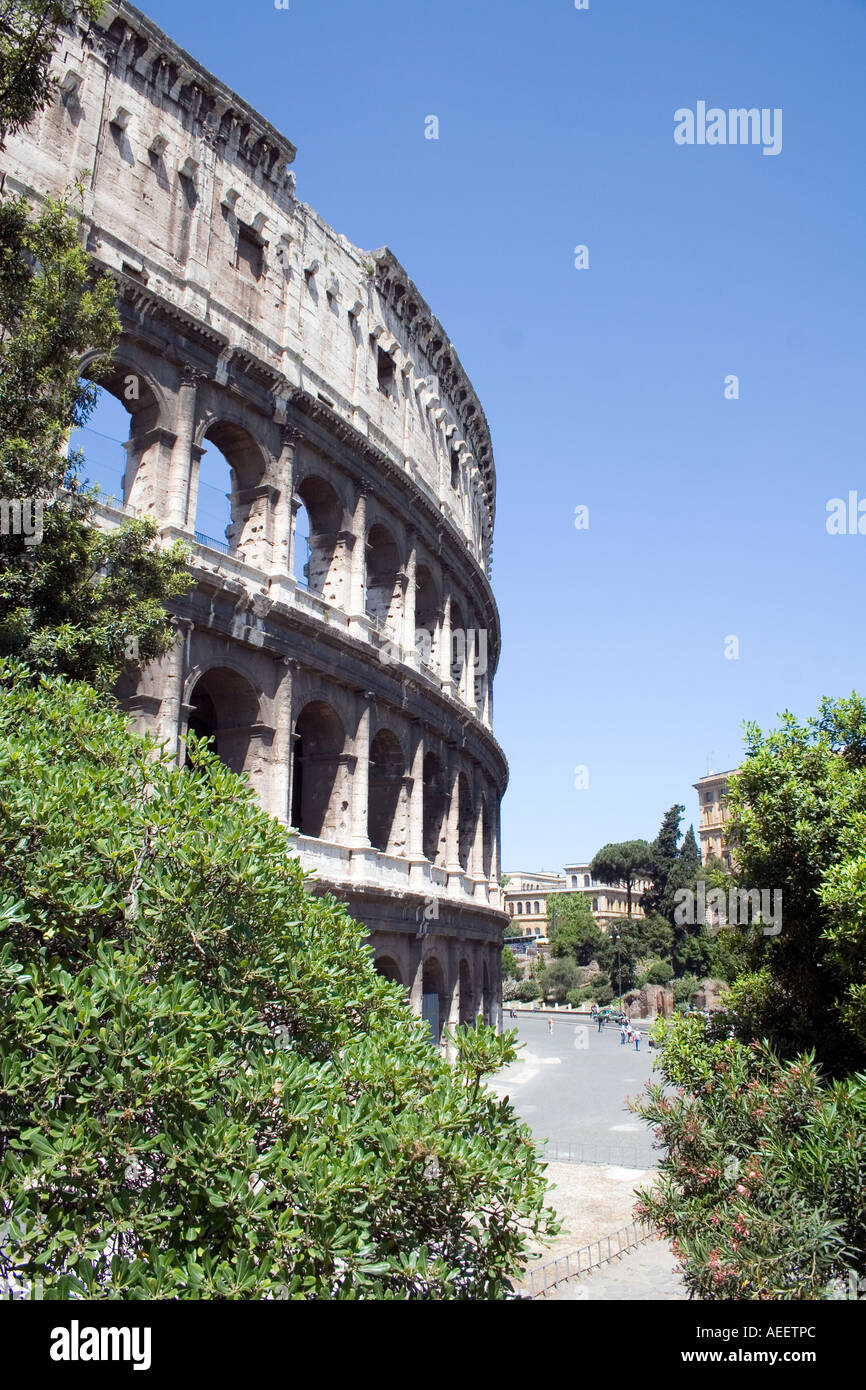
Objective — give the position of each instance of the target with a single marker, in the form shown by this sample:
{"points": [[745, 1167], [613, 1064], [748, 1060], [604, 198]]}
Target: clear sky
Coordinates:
{"points": [[605, 387]]}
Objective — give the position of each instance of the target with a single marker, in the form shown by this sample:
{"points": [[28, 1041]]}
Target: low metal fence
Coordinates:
{"points": [[637, 1155], [586, 1257]]}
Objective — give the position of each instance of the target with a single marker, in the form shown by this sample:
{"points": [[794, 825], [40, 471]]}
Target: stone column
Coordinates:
{"points": [[358, 561], [176, 663], [177, 493], [281, 775], [409, 602], [415, 839], [445, 653], [452, 847], [469, 670], [359, 839], [285, 509]]}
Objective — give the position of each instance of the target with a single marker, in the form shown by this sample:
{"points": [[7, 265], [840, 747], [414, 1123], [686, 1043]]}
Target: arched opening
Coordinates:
{"points": [[383, 596], [467, 997], [388, 968], [435, 806], [236, 460], [213, 508], [119, 456], [427, 619], [486, 996], [385, 827], [318, 522], [458, 647], [319, 794], [224, 708], [434, 998], [465, 822], [486, 839]]}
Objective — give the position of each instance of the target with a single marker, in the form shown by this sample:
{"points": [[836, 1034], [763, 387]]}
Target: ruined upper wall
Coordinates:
{"points": [[188, 190]]}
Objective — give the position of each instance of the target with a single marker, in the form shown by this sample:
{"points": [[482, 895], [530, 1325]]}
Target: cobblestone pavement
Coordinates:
{"points": [[644, 1273]]}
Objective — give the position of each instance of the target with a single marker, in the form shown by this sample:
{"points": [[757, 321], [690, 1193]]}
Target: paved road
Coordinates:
{"points": [[644, 1273], [570, 1087]]}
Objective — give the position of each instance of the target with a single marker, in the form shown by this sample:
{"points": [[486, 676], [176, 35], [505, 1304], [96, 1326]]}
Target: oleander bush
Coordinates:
{"points": [[762, 1187]]}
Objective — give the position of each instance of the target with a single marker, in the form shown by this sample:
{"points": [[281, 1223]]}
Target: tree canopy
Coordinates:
{"points": [[207, 1091], [622, 863]]}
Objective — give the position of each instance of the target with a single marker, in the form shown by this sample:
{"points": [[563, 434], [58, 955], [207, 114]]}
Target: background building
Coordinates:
{"points": [[530, 899], [711, 792], [341, 639]]}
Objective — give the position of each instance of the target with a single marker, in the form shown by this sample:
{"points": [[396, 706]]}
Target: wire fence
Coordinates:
{"points": [[586, 1257], [636, 1155]]}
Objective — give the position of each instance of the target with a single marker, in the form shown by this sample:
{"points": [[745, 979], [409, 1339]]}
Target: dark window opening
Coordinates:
{"points": [[455, 469], [251, 254], [387, 370]]}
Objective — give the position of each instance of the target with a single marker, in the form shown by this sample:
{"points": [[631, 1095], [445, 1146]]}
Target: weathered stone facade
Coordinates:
{"points": [[359, 705]]}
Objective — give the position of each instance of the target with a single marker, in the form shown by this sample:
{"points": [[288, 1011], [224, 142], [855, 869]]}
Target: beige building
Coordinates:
{"points": [[356, 699], [711, 792], [530, 899]]}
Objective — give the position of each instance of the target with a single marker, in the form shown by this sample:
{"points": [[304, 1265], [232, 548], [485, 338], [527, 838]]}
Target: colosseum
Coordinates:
{"points": [[354, 690]]}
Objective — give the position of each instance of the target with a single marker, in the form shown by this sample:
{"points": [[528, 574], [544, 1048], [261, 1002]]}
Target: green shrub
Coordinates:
{"points": [[761, 1186], [207, 1090], [660, 972], [684, 988]]}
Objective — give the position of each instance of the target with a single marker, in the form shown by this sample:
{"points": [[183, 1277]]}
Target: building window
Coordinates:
{"points": [[595, 904], [250, 255], [455, 469], [387, 372], [586, 880], [538, 907], [520, 909]]}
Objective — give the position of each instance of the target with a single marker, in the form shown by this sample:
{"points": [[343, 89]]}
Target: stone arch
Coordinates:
{"points": [[386, 826], [435, 806], [223, 708], [324, 510], [457, 656], [486, 994], [248, 534], [428, 617], [486, 839], [467, 994], [320, 799], [388, 968], [137, 467], [465, 821], [434, 997], [383, 592]]}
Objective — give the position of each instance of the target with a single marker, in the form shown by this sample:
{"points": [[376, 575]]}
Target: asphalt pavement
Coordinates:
{"points": [[570, 1086]]}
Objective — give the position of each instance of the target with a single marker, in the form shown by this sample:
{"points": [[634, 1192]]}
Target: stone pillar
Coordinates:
{"points": [[445, 653], [358, 573], [469, 669], [285, 509], [281, 773], [359, 839], [415, 838], [476, 855], [176, 663], [452, 847], [409, 603], [176, 503]]}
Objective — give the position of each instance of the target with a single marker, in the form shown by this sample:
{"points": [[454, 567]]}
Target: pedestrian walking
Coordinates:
{"points": [[550, 1025], [636, 1040], [600, 1022], [622, 1035]]}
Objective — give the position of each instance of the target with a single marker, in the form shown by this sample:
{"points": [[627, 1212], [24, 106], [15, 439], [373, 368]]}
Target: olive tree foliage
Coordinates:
{"points": [[206, 1090]]}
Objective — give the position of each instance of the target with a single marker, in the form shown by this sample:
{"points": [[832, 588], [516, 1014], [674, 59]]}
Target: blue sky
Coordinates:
{"points": [[604, 387]]}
